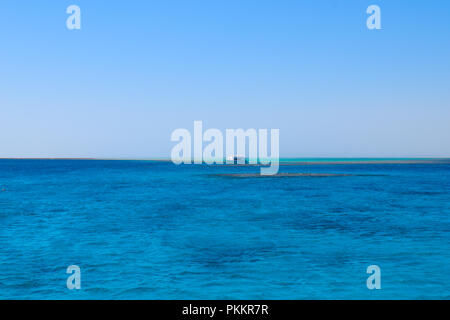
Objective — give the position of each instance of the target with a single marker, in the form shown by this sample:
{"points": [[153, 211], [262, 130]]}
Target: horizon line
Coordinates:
{"points": [[168, 159]]}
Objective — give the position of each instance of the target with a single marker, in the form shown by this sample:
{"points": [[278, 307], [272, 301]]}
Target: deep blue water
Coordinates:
{"points": [[153, 230]]}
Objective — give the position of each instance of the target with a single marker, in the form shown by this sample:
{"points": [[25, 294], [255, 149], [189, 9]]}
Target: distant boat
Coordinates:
{"points": [[237, 159]]}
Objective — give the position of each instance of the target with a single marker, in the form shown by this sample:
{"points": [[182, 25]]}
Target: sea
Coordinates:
{"points": [[143, 229]]}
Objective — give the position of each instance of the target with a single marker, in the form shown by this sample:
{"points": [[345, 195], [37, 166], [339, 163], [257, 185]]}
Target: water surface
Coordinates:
{"points": [[153, 230]]}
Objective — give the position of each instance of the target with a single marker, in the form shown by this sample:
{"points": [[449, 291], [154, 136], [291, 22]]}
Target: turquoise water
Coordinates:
{"points": [[353, 159], [153, 230]]}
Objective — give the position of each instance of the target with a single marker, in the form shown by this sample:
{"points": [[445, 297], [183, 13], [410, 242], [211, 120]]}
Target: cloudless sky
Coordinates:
{"points": [[137, 70]]}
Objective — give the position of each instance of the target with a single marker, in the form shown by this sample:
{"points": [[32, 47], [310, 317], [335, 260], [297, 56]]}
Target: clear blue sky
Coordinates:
{"points": [[137, 70]]}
